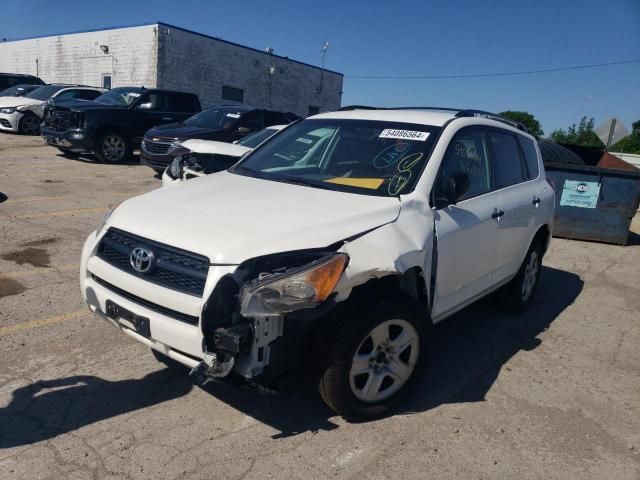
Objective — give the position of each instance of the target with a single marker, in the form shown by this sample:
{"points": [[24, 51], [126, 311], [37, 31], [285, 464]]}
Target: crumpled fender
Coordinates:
{"points": [[391, 249]]}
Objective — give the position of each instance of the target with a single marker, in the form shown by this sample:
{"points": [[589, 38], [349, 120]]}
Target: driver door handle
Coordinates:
{"points": [[536, 201], [497, 214], [167, 118]]}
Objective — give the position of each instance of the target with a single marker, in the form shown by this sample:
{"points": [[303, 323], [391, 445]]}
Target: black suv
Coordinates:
{"points": [[10, 79], [113, 124], [224, 123]]}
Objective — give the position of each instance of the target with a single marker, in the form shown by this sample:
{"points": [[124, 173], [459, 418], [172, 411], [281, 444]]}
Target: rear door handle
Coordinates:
{"points": [[536, 201], [497, 214], [167, 118]]}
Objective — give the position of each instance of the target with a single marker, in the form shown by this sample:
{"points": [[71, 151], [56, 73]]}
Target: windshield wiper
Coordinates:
{"points": [[301, 181]]}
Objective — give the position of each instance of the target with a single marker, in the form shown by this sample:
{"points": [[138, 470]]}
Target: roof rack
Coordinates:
{"points": [[460, 113]]}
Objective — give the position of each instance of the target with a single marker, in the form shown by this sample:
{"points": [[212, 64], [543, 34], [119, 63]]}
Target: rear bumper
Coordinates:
{"points": [[74, 140]]}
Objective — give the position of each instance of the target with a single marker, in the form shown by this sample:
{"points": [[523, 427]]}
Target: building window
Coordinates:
{"points": [[232, 94], [313, 110], [106, 80]]}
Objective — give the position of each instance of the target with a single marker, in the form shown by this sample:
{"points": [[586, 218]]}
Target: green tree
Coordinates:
{"points": [[630, 144], [527, 120], [582, 134]]}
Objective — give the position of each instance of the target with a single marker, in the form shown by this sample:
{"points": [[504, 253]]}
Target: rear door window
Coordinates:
{"points": [[467, 153], [182, 103], [274, 118], [530, 156], [507, 163]]}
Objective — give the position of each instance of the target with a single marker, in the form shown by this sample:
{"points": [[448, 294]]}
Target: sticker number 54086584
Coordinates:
{"points": [[404, 134]]}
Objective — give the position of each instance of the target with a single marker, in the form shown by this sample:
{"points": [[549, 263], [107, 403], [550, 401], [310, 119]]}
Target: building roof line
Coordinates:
{"points": [[168, 25]]}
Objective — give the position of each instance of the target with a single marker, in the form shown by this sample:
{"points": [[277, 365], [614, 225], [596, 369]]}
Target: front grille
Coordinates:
{"points": [[60, 120], [157, 148], [156, 163], [174, 268], [5, 123], [183, 317]]}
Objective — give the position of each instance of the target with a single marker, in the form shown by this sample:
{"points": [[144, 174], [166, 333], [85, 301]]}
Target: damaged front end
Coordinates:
{"points": [[249, 310]]}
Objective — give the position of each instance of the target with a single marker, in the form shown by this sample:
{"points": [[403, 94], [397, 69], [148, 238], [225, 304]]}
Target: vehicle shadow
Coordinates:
{"points": [[469, 351], [90, 158]]}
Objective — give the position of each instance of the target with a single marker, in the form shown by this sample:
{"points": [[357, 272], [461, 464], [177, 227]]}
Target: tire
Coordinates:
{"points": [[112, 147], [168, 362], [517, 295], [68, 153], [29, 124], [386, 376]]}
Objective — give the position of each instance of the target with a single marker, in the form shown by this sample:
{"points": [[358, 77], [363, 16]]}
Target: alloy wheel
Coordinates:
{"points": [[530, 275], [384, 360], [30, 125], [113, 148]]}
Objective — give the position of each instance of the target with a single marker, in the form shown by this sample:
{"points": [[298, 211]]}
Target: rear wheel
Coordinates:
{"points": [[112, 147], [29, 124], [375, 358], [518, 294]]}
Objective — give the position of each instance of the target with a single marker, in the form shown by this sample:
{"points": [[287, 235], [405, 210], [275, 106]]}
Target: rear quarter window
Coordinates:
{"points": [[530, 156], [183, 103]]}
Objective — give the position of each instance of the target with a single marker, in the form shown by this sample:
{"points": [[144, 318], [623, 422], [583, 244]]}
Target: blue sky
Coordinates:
{"points": [[410, 38]]}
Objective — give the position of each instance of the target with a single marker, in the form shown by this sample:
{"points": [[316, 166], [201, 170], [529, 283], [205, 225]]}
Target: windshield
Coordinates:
{"points": [[44, 92], [255, 139], [123, 96], [17, 90], [360, 156], [215, 118]]}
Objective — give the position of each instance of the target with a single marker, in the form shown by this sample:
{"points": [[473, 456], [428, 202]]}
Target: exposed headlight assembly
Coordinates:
{"points": [[8, 110], [303, 287], [104, 220], [175, 169]]}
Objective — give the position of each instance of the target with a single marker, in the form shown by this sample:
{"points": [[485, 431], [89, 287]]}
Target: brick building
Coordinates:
{"points": [[165, 56]]}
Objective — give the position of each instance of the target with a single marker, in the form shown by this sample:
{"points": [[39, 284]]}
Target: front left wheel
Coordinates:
{"points": [[29, 124], [375, 358]]}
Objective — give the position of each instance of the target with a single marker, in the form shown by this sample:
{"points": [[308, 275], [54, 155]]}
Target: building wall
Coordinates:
{"points": [[77, 58], [189, 61]]}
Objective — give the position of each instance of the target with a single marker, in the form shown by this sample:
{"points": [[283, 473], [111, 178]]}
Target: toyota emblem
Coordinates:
{"points": [[141, 259]]}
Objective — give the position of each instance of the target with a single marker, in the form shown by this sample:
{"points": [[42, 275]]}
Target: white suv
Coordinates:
{"points": [[336, 245]]}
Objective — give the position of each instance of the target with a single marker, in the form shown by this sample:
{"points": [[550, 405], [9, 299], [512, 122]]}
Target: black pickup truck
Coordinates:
{"points": [[112, 125]]}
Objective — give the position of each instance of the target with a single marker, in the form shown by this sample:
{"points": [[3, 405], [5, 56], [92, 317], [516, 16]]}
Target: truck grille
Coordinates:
{"points": [[157, 148], [173, 268], [60, 120]]}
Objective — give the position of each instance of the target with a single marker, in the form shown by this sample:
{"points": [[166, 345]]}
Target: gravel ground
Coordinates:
{"points": [[553, 393]]}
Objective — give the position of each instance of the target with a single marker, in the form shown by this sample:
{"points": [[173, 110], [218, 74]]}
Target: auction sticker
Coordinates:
{"points": [[404, 134], [580, 194]]}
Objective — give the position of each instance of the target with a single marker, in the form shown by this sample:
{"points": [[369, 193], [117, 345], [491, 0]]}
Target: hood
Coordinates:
{"points": [[231, 218], [18, 101], [211, 146], [181, 131]]}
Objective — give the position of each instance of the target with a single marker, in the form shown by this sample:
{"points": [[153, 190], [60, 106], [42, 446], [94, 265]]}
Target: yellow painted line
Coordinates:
{"points": [[63, 213], [68, 197], [43, 322], [68, 267]]}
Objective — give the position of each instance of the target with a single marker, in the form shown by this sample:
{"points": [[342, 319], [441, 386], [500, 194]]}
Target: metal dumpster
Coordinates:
{"points": [[594, 203]]}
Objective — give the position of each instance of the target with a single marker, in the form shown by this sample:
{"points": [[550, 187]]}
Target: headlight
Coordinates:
{"points": [[8, 110], [175, 169], [106, 217], [303, 287]]}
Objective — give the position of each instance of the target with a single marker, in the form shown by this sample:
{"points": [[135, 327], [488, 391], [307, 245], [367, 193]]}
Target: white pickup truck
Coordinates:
{"points": [[334, 247]]}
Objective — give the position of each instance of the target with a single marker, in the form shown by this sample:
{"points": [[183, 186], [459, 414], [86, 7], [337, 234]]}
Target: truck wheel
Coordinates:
{"points": [[167, 361], [375, 358], [517, 295], [112, 147], [29, 124]]}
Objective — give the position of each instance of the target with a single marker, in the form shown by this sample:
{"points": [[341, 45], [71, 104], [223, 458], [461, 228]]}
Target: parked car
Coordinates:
{"points": [[10, 79], [223, 123], [25, 114], [197, 158], [18, 90], [338, 258], [113, 124]]}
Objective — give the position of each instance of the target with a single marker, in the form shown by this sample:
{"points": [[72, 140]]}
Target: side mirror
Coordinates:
{"points": [[145, 106], [454, 187], [242, 130]]}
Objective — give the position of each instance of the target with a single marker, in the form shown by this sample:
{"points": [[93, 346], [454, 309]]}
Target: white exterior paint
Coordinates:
{"points": [[164, 56], [631, 158]]}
